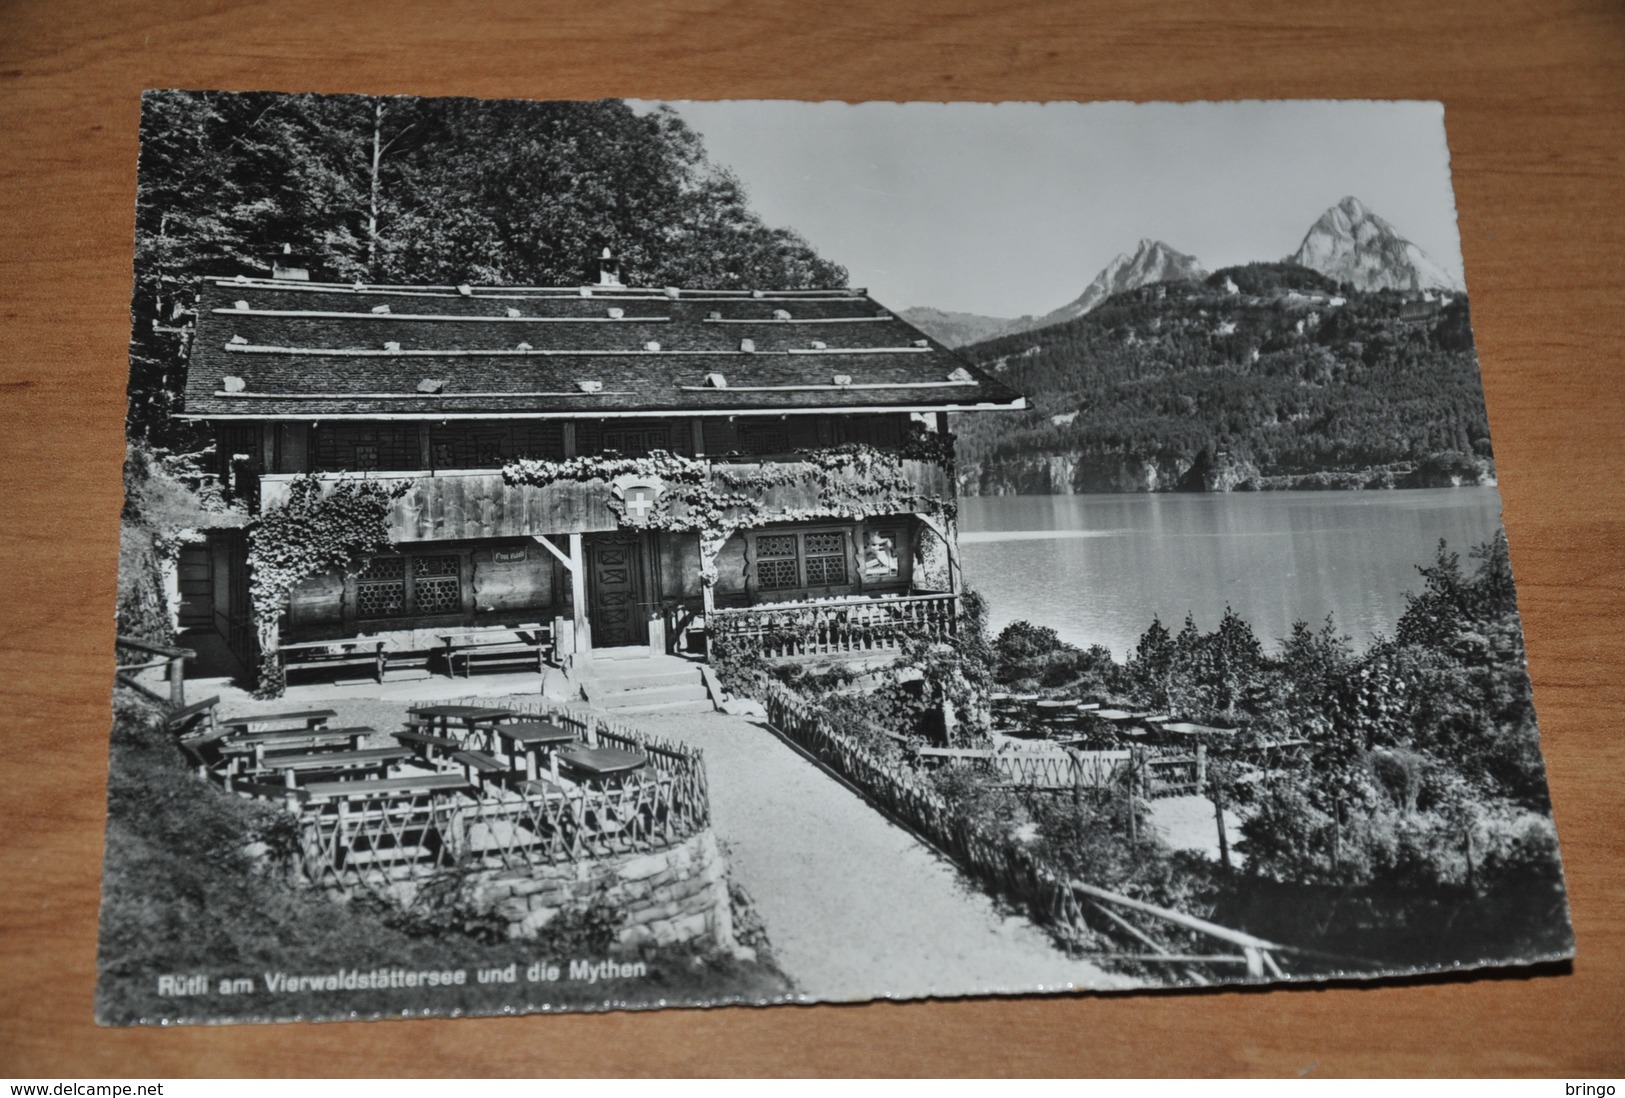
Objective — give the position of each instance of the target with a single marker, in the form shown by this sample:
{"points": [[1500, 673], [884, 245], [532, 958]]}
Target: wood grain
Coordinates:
{"points": [[1537, 129]]}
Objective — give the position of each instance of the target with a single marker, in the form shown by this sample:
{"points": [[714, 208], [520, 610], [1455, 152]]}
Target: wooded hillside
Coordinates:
{"points": [[1268, 370]]}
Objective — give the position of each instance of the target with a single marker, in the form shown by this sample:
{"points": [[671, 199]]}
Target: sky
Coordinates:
{"points": [[1013, 208]]}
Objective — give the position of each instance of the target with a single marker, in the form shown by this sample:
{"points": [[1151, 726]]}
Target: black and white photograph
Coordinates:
{"points": [[582, 555]]}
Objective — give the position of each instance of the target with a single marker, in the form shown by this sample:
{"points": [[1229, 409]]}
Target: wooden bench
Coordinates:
{"points": [[480, 768], [198, 736], [404, 787], [343, 765], [253, 751], [352, 652], [426, 745], [197, 719], [301, 720], [281, 739], [525, 644]]}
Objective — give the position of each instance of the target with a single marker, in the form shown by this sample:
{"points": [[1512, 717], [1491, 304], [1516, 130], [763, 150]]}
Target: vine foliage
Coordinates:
{"points": [[316, 531], [854, 480]]}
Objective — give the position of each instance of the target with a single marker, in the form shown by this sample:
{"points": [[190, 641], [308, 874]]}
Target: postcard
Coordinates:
{"points": [[620, 554]]}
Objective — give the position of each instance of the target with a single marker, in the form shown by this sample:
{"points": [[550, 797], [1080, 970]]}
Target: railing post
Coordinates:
{"points": [[1255, 961], [177, 681]]}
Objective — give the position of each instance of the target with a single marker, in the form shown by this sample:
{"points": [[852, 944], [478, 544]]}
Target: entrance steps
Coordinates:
{"points": [[637, 682]]}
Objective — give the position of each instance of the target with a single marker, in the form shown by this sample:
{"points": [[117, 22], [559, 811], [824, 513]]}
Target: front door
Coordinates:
{"points": [[615, 592]]}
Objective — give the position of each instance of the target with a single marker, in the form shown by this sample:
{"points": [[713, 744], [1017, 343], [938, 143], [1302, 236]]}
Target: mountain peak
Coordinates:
{"points": [[1352, 244], [1152, 261], [1353, 207]]}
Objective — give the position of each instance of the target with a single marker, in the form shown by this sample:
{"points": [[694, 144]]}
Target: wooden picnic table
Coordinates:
{"points": [[259, 747], [355, 762], [307, 718], [529, 739], [406, 785], [445, 719], [602, 762]]}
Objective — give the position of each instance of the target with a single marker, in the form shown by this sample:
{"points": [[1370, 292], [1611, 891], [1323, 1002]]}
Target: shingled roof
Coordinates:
{"points": [[278, 349]]}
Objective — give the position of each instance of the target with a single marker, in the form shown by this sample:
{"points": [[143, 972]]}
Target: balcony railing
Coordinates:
{"points": [[836, 626], [478, 503]]}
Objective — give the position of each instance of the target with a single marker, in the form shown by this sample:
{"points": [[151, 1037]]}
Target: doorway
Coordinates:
{"points": [[616, 600]]}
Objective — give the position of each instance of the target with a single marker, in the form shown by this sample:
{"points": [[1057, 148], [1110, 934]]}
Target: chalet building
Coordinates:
{"points": [[588, 468]]}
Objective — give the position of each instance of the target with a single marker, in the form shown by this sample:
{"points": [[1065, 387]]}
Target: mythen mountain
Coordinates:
{"points": [[1351, 244], [1348, 244], [1152, 261]]}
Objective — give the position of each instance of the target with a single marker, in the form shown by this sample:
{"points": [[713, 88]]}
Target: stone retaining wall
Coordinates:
{"points": [[671, 896]]}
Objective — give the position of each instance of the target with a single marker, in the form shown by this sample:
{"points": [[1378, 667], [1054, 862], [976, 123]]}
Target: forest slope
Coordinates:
{"points": [[1268, 375]]}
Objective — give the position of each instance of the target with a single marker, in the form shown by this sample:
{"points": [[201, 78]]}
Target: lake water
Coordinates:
{"points": [[1098, 568]]}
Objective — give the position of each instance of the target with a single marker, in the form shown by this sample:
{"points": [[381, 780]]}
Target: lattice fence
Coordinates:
{"points": [[367, 841]]}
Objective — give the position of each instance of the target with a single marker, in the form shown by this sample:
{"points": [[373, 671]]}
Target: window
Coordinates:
{"points": [[792, 561], [366, 456], [776, 562], [880, 556], [636, 441], [826, 559], [398, 587], [764, 438]]}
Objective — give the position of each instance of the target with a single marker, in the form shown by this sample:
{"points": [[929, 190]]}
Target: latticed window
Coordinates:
{"points": [[436, 585], [788, 561], [826, 559], [389, 589], [776, 562], [380, 591]]}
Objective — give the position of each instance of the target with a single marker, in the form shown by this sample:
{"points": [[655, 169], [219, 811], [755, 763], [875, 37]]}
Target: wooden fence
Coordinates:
{"points": [[1079, 914], [364, 841], [836, 626], [150, 657], [1153, 772]]}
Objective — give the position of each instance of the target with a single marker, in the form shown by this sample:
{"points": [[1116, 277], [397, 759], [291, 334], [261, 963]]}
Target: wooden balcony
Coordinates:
{"points": [[835, 627], [449, 505]]}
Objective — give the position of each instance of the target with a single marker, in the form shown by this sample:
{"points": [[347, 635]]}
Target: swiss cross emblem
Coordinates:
{"points": [[640, 495]]}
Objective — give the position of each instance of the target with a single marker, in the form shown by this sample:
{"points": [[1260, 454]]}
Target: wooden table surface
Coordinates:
{"points": [[1535, 105]]}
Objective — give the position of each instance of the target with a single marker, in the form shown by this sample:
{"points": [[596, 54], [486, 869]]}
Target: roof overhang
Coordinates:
{"points": [[1019, 404]]}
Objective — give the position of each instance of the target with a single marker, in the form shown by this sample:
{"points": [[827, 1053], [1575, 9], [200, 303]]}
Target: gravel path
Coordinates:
{"points": [[855, 907]]}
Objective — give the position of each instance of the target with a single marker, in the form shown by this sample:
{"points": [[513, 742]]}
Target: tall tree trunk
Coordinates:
{"points": [[372, 207]]}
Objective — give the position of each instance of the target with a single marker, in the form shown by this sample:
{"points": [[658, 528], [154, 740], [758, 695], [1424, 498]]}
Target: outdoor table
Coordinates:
{"points": [[530, 738], [602, 762], [468, 717], [404, 786], [251, 750], [354, 764]]}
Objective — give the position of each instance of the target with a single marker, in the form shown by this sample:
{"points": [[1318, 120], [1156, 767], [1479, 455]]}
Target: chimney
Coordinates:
{"points": [[609, 269], [290, 267]]}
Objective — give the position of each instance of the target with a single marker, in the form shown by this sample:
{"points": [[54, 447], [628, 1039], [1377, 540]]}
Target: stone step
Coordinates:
{"points": [[626, 655], [654, 696], [629, 680], [702, 706]]}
